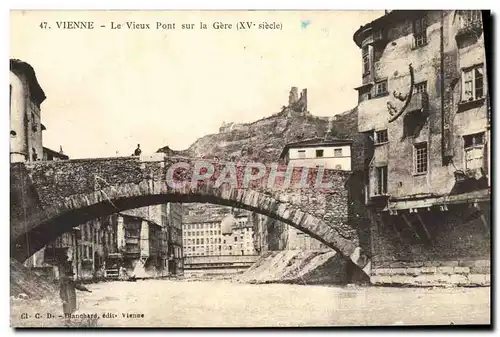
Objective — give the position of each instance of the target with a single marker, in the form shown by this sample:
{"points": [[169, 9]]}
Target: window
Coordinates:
{"points": [[420, 158], [473, 86], [235, 239], [420, 32], [474, 151], [381, 180], [381, 88], [366, 60], [319, 153], [337, 152], [381, 137], [302, 153], [420, 87]]}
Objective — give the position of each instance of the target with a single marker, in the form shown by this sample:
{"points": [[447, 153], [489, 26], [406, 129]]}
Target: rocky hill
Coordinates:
{"points": [[264, 139]]}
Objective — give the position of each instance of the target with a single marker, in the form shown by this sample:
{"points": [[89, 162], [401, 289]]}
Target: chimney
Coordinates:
{"points": [[60, 149]]}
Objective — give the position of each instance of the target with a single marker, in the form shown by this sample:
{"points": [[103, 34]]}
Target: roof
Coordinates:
{"points": [[313, 142], [201, 218], [55, 153], [381, 21], [21, 67]]}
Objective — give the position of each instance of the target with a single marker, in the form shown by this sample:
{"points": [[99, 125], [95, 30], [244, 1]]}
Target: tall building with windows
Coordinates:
{"points": [[25, 99], [202, 235], [237, 234], [173, 213], [424, 105]]}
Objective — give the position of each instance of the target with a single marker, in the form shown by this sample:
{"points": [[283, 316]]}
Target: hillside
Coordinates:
{"points": [[264, 139]]}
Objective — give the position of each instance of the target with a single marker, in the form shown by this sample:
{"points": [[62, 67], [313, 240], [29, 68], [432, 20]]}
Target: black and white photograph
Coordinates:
{"points": [[250, 168]]}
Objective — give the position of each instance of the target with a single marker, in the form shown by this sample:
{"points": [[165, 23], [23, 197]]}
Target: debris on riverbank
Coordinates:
{"points": [[302, 267], [25, 283]]}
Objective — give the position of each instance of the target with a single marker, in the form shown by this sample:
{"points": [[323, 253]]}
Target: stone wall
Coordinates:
{"points": [[457, 253], [434, 273], [74, 191]]}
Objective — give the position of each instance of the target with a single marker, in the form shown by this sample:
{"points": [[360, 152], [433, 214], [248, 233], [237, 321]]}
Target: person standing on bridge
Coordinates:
{"points": [[138, 151]]}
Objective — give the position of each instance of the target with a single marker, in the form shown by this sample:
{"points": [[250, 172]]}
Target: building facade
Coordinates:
{"points": [[25, 99], [237, 234], [332, 154], [424, 105], [174, 213], [202, 235], [328, 152]]}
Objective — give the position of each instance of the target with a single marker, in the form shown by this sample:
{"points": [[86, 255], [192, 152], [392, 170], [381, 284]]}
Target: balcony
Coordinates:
{"points": [[469, 28], [419, 102]]}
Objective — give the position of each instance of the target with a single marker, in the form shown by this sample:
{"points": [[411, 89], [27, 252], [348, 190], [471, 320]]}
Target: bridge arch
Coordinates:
{"points": [[58, 203]]}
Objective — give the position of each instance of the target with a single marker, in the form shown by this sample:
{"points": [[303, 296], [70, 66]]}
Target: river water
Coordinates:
{"points": [[181, 303]]}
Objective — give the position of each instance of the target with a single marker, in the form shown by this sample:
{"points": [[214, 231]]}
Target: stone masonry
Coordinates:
{"points": [[63, 194]]}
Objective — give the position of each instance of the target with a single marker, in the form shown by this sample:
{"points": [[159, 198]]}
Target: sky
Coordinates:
{"points": [[110, 89]]}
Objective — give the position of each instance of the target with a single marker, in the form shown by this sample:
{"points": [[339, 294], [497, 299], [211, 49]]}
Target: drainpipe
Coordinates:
{"points": [[442, 89]]}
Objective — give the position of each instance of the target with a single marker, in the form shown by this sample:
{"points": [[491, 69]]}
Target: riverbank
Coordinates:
{"points": [[168, 303], [302, 267]]}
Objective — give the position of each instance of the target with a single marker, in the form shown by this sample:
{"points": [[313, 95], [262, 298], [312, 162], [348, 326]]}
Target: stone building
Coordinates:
{"points": [[169, 218], [424, 106], [333, 154], [26, 138], [237, 234], [328, 152], [174, 213], [25, 98], [202, 235]]}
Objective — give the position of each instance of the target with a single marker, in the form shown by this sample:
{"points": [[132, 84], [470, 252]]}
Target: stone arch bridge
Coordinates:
{"points": [[48, 198]]}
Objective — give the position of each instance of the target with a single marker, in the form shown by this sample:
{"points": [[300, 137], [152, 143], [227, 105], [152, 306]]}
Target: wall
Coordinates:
{"points": [[25, 121], [458, 251], [447, 122], [18, 142], [196, 228], [425, 242], [329, 160], [272, 235]]}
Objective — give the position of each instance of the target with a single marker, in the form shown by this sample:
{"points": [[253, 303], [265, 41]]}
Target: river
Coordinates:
{"points": [[183, 303]]}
